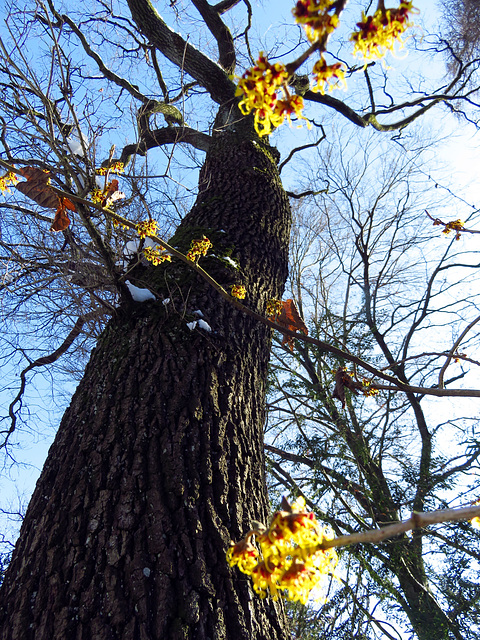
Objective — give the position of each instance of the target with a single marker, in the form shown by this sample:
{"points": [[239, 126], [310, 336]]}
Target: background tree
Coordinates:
{"points": [[158, 461], [372, 281], [461, 20]]}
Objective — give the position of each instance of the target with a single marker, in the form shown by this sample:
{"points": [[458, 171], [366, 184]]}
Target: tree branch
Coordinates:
{"points": [[451, 353], [221, 33], [302, 148], [166, 135], [225, 5], [110, 75], [338, 105], [182, 54], [398, 385], [40, 362], [416, 521]]}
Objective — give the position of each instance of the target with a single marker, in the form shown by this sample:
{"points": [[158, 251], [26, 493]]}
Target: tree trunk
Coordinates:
{"points": [[428, 619], [405, 556], [158, 462]]}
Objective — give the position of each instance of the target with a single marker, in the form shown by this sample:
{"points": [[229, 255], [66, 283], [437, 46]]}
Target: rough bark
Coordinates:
{"points": [[158, 462]]}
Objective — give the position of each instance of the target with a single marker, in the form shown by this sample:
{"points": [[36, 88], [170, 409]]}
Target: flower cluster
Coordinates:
{"points": [[117, 223], [379, 33], [199, 248], [314, 16], [291, 563], [274, 307], [117, 167], [6, 180], [368, 389], [156, 255], [147, 228], [328, 75], [258, 87], [97, 196], [454, 225], [239, 291]]}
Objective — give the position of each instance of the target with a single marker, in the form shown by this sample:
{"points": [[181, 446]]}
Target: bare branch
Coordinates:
{"points": [[220, 31], [302, 148], [225, 5], [181, 53], [451, 353], [416, 521], [41, 362]]}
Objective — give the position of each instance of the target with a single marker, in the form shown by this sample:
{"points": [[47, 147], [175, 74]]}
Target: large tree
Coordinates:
{"points": [[158, 461]]}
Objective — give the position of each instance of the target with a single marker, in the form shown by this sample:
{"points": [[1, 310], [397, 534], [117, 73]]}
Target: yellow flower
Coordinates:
{"points": [[292, 105], [199, 248], [274, 307], [299, 580], [117, 167], [6, 180], [291, 563], [455, 225], [258, 87], [239, 291], [117, 223], [147, 228], [156, 255], [475, 522], [313, 15], [368, 389], [243, 555], [329, 75], [379, 33], [97, 196]]}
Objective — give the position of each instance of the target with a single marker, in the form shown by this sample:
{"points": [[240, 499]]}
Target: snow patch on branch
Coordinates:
{"points": [[78, 144], [201, 324], [131, 247], [230, 261], [204, 325], [138, 294]]}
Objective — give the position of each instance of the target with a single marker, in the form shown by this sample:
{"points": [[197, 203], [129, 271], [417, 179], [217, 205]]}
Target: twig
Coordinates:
{"points": [[451, 353], [416, 521], [397, 384], [302, 148], [40, 362]]}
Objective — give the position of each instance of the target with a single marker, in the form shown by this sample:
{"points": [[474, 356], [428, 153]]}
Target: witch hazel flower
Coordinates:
{"points": [[147, 228], [382, 32], [263, 89], [238, 291], [7, 180], [290, 562], [331, 76], [314, 17], [198, 248], [156, 255]]}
